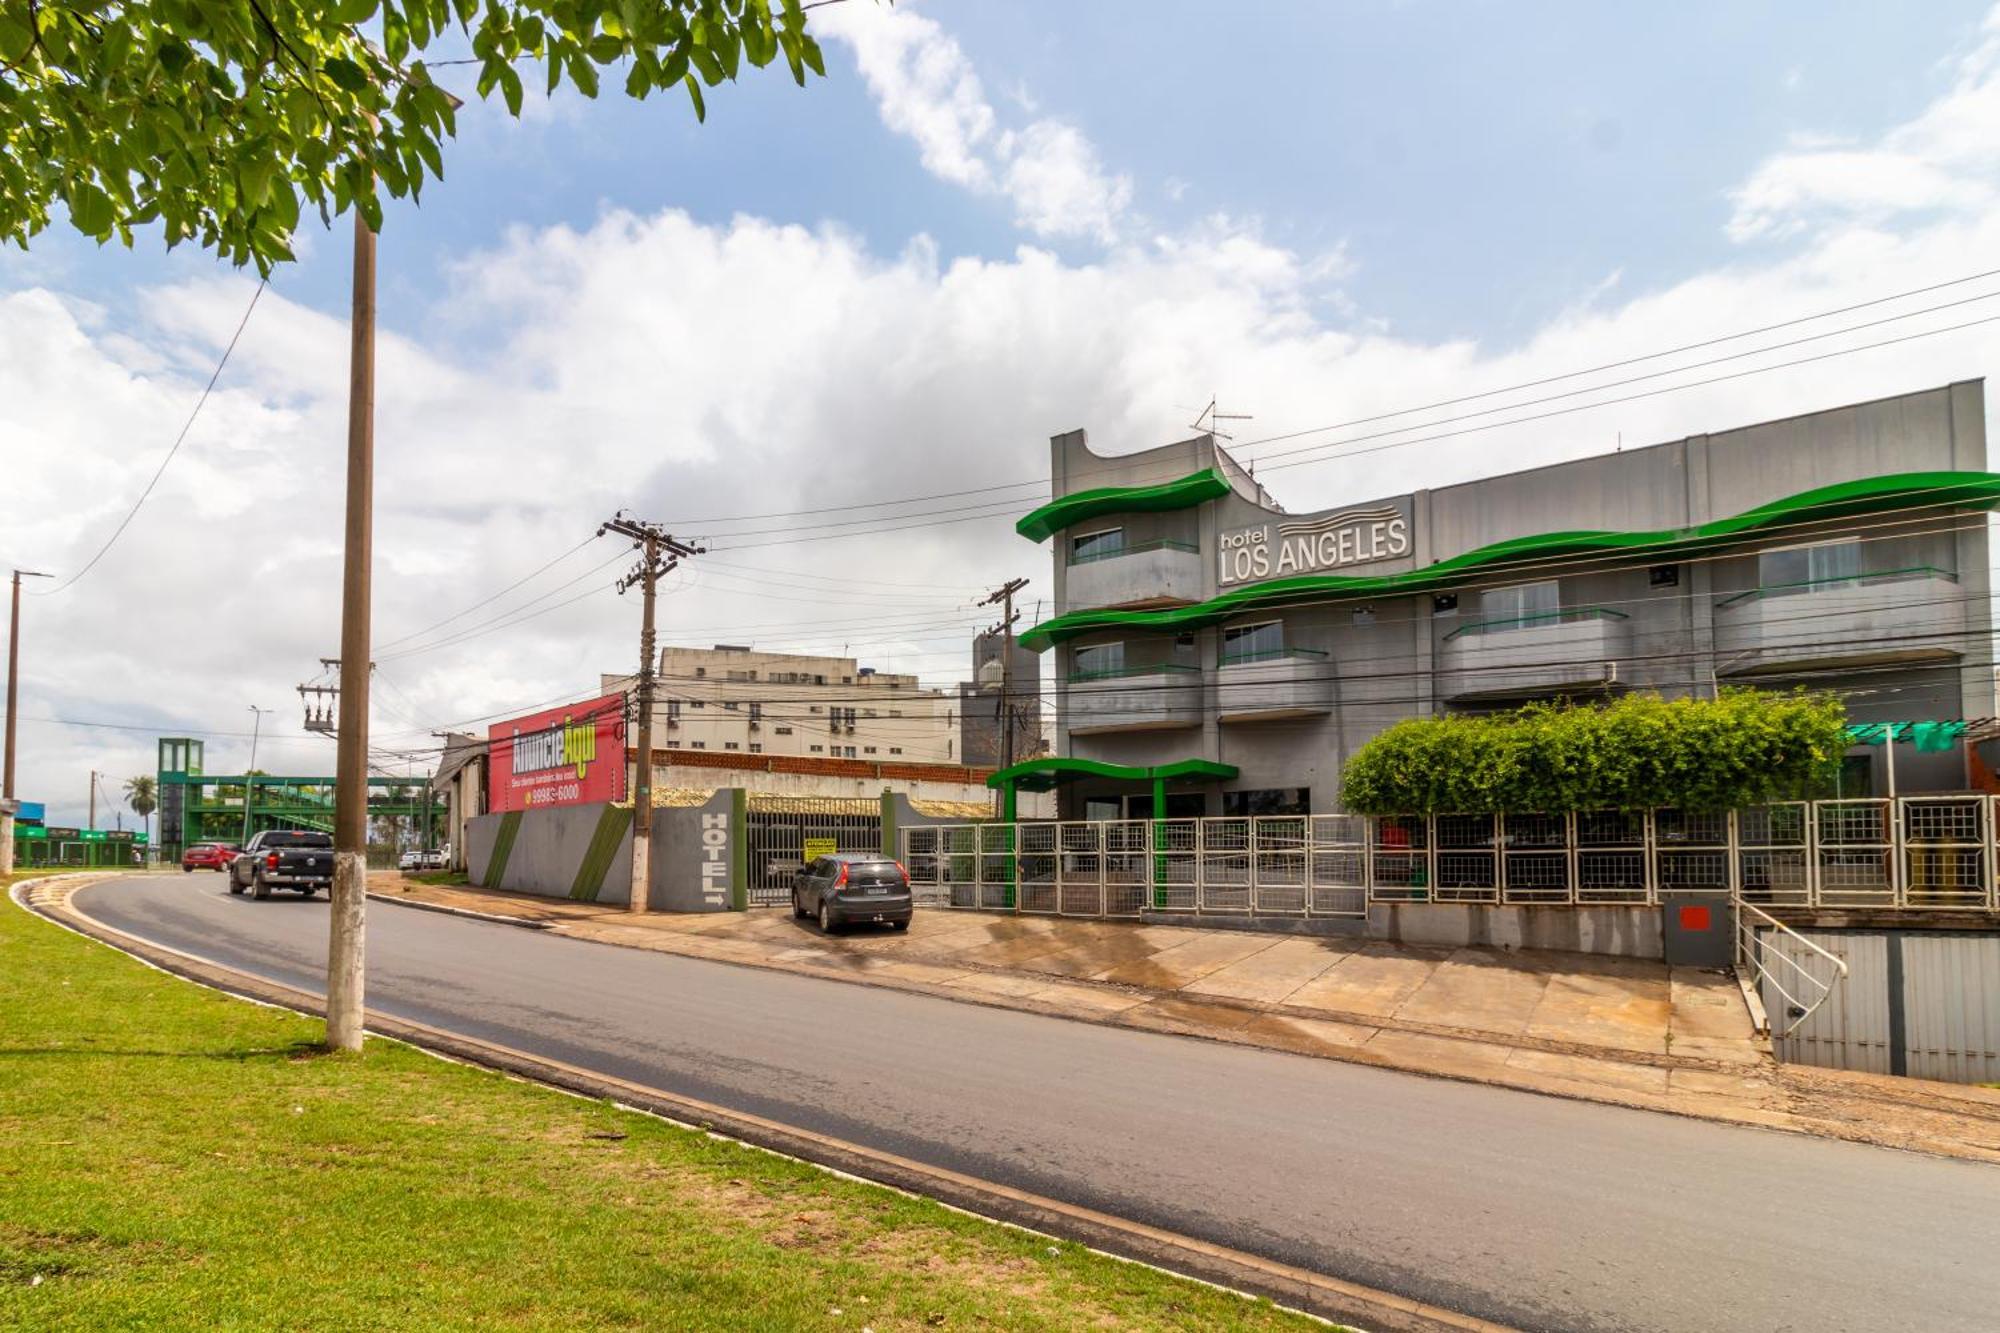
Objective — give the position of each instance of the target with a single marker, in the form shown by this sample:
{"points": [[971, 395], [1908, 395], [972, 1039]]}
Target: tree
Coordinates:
{"points": [[142, 793], [220, 120]]}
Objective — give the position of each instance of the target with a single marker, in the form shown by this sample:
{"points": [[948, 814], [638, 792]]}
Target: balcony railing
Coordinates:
{"points": [[1271, 655], [1164, 544], [1566, 616], [1838, 581], [1115, 673]]}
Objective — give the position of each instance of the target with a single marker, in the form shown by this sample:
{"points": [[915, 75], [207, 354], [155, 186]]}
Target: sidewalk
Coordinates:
{"points": [[1622, 1031]]}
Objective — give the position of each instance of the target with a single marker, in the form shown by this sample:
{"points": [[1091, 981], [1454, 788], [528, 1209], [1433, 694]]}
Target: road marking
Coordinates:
{"points": [[1297, 1288]]}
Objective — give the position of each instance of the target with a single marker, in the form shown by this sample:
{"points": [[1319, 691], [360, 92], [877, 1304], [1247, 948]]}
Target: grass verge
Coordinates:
{"points": [[172, 1157]]}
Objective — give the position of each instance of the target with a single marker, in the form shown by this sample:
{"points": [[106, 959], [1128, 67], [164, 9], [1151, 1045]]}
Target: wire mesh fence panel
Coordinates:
{"points": [[1128, 867], [1773, 854], [1080, 869], [920, 861], [1691, 851], [1337, 873], [1176, 865], [996, 865], [1399, 859], [1535, 862], [1611, 858], [1225, 866], [1035, 873], [1278, 865], [958, 863], [1856, 853], [1468, 859], [1945, 858]]}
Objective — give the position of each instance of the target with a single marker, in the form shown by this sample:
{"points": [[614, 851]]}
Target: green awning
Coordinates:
{"points": [[1928, 737], [1050, 770], [1182, 493], [1899, 491]]}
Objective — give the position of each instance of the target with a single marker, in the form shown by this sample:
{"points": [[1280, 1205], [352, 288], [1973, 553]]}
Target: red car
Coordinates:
{"points": [[207, 856]]}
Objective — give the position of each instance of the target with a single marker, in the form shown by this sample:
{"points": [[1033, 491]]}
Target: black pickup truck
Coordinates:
{"points": [[283, 859]]}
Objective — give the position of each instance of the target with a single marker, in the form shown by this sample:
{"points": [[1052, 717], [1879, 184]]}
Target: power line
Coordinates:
{"points": [[160, 471]]}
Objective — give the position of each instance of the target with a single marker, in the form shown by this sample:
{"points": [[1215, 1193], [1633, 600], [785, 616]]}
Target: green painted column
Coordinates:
{"points": [[888, 823], [739, 850], [1009, 807], [1159, 826], [1008, 802]]}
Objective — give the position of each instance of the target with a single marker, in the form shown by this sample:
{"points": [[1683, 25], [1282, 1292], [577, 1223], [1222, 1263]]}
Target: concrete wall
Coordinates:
{"points": [[585, 852]]}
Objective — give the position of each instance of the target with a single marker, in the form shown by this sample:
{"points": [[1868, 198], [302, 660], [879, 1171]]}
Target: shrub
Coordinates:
{"points": [[1640, 751]]}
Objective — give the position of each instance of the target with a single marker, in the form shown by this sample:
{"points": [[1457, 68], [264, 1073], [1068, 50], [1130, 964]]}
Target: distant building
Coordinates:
{"points": [[737, 700], [980, 705]]}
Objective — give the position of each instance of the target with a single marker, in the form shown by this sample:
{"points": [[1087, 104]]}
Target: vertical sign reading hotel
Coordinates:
{"points": [[562, 756]]}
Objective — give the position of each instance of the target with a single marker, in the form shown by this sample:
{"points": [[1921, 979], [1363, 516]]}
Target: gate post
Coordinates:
{"points": [[1159, 826], [888, 824], [739, 849]]}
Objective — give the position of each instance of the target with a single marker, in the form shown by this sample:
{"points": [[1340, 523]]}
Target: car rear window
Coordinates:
{"points": [[297, 840], [874, 872]]}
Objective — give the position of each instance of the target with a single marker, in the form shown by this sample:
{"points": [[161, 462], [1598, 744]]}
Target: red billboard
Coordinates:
{"points": [[561, 756]]}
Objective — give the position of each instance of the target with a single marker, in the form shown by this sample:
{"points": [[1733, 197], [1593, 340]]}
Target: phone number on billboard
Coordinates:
{"points": [[556, 795]]}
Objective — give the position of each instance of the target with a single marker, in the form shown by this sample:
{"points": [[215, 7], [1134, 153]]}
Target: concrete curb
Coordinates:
{"points": [[398, 900], [1300, 1289]]}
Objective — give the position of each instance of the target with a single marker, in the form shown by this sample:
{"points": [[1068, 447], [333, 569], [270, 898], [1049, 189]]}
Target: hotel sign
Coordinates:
{"points": [[1283, 547]]}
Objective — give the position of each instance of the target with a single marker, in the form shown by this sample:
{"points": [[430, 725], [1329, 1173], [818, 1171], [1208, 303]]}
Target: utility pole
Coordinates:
{"points": [[660, 553], [346, 935], [1003, 596], [7, 806], [249, 774], [93, 800]]}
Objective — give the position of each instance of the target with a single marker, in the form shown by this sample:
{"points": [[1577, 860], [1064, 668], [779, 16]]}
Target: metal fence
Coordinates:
{"points": [[1914, 852], [778, 840]]}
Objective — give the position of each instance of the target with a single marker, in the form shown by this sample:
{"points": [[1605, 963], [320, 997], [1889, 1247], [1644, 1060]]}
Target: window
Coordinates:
{"points": [[673, 710], [812, 708], [1096, 545], [1520, 605], [701, 671], [697, 703], [784, 731], [1445, 604], [697, 745], [1267, 801], [756, 748], [849, 752], [756, 712], [867, 712], [1099, 659], [895, 712], [1364, 615], [729, 704], [1250, 643], [868, 749], [731, 745], [1664, 576], [1810, 568], [818, 749], [895, 749]]}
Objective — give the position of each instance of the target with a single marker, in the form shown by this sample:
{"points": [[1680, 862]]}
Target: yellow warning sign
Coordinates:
{"points": [[818, 847]]}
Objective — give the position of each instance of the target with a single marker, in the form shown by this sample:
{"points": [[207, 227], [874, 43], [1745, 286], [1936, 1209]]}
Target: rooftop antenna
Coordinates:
{"points": [[1208, 424]]}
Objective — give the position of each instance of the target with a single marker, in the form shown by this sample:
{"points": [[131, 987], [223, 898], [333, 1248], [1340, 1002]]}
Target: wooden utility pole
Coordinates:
{"points": [[345, 975], [1003, 596], [659, 553], [7, 806]]}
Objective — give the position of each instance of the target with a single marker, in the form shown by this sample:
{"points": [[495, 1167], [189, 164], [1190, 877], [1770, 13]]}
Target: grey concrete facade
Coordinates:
{"points": [[1901, 624]]}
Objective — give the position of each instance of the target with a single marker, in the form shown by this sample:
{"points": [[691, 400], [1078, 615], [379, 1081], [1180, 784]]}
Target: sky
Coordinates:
{"points": [[830, 331]]}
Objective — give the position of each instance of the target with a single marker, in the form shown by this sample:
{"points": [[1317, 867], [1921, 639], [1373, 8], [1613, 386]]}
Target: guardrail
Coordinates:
{"points": [[1755, 952], [1917, 853]]}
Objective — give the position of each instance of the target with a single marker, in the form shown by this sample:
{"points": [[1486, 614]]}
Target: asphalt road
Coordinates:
{"points": [[1528, 1210]]}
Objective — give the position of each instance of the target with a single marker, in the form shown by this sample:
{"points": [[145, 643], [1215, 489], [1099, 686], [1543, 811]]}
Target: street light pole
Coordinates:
{"points": [[345, 978], [13, 673], [250, 773]]}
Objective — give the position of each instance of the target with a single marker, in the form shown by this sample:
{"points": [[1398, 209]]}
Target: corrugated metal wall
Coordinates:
{"points": [[1925, 1004]]}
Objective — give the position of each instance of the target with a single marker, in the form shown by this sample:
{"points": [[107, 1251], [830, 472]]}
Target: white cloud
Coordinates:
{"points": [[699, 373], [1943, 161], [927, 90]]}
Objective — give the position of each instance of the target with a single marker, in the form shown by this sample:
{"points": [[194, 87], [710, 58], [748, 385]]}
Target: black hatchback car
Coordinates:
{"points": [[850, 887]]}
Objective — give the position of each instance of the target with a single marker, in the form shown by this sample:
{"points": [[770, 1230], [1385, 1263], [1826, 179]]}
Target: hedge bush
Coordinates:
{"points": [[1640, 751]]}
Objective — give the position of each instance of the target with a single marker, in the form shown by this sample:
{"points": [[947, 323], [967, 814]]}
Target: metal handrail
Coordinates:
{"points": [[1270, 655], [1163, 544], [1750, 951], [1567, 615], [1878, 576]]}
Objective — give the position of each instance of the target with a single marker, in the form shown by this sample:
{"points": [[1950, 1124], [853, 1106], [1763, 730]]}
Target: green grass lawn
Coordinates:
{"points": [[173, 1157]]}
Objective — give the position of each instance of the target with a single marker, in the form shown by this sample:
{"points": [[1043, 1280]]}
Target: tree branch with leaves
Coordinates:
{"points": [[222, 120]]}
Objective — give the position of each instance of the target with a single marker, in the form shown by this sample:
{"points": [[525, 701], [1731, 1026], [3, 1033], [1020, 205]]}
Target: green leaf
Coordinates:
{"points": [[809, 52], [584, 74], [510, 88], [694, 92], [346, 73], [90, 209], [174, 56]]}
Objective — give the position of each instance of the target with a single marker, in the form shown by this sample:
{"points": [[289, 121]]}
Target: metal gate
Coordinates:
{"points": [[778, 839], [1922, 1003]]}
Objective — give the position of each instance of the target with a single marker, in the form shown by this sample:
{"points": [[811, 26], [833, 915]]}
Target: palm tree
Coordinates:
{"points": [[143, 795]]}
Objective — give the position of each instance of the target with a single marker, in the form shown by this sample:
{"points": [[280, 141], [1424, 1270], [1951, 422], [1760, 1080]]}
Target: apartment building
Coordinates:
{"points": [[732, 699]]}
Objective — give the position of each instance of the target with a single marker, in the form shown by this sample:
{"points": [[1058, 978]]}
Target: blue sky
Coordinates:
{"points": [[991, 223]]}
